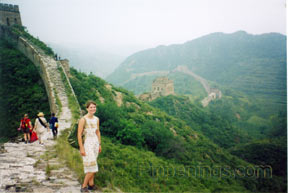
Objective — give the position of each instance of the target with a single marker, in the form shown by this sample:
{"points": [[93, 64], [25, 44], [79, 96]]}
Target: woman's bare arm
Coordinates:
{"points": [[99, 135], [81, 125]]}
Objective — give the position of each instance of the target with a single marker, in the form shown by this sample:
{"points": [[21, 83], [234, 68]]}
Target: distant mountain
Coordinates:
{"points": [[253, 64], [189, 141], [143, 138], [129, 121], [89, 59]]}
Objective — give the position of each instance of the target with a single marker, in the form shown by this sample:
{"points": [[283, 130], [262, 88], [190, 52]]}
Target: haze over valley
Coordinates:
{"points": [[191, 95]]}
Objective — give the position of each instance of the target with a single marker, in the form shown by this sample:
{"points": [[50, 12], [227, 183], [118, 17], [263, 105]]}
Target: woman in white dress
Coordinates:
{"points": [[89, 127], [40, 127]]}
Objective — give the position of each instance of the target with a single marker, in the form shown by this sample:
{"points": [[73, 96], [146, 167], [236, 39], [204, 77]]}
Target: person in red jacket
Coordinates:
{"points": [[26, 125]]}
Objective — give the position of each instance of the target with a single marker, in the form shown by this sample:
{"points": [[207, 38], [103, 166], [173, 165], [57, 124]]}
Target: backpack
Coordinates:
{"points": [[24, 124], [73, 138]]}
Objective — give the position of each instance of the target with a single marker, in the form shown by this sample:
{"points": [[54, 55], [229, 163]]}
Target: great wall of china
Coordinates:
{"points": [[212, 93], [29, 175], [23, 166]]}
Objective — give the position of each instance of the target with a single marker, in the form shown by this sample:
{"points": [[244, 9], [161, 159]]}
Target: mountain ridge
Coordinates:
{"points": [[161, 48], [138, 124], [252, 64]]}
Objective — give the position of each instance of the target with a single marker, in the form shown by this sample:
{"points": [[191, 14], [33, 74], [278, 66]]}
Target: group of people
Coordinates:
{"points": [[56, 57], [89, 146], [40, 126]]}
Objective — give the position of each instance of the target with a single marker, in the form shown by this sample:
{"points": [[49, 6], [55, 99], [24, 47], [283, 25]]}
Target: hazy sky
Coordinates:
{"points": [[146, 23]]}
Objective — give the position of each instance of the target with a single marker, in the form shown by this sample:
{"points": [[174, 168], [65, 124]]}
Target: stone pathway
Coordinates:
{"points": [[36, 168], [30, 168]]}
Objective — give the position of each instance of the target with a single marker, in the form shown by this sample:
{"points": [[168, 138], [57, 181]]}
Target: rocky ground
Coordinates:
{"points": [[36, 168]]}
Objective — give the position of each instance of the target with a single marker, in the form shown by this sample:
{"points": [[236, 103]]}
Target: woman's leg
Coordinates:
{"points": [[86, 179], [91, 180]]}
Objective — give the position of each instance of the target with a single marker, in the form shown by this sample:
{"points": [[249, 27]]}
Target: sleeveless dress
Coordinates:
{"points": [[91, 145]]}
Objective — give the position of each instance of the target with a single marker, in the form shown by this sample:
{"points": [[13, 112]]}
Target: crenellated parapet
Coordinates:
{"points": [[9, 7], [54, 73], [9, 14], [161, 86]]}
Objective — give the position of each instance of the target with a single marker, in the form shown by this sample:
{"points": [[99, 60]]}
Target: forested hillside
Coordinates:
{"points": [[137, 124], [21, 90], [144, 148], [218, 128], [261, 142], [253, 64]]}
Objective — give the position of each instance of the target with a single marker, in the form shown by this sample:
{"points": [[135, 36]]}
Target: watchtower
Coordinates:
{"points": [[9, 15], [162, 86]]}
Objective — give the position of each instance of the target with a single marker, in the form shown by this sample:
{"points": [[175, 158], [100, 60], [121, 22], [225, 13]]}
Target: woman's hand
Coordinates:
{"points": [[100, 149], [82, 151]]}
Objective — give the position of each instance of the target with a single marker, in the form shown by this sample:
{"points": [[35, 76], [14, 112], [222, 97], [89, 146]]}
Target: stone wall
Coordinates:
{"points": [[34, 55], [162, 86], [66, 66], [213, 95], [9, 15], [46, 65]]}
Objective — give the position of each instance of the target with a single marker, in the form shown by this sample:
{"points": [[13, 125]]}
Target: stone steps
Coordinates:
{"points": [[24, 166]]}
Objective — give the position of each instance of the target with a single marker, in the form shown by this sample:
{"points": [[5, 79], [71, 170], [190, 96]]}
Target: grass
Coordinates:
{"points": [[37, 163], [49, 154], [48, 170], [55, 167], [127, 168], [35, 182], [29, 155], [3, 140], [69, 154], [119, 165], [72, 100], [58, 102], [65, 152], [22, 31]]}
